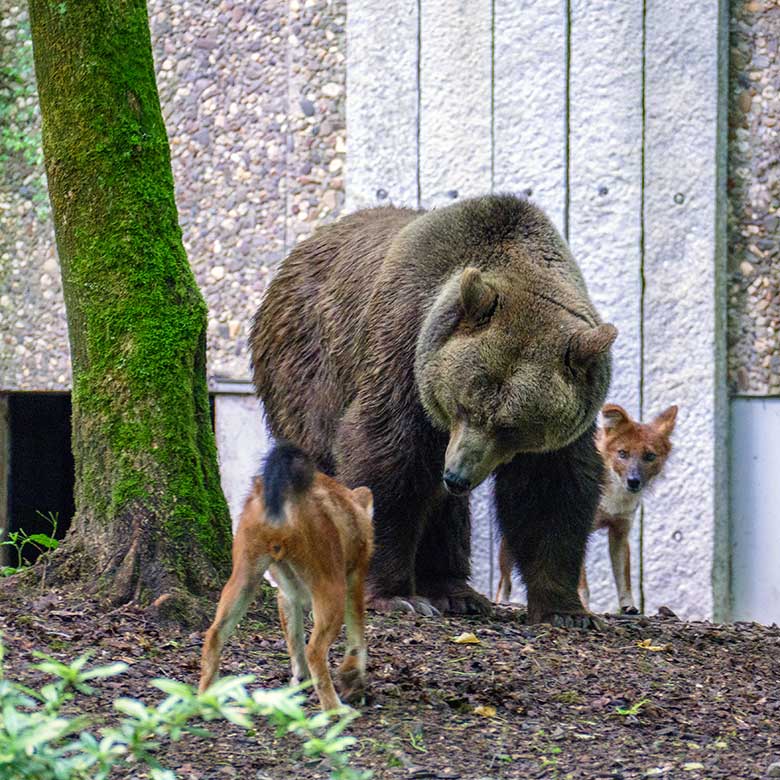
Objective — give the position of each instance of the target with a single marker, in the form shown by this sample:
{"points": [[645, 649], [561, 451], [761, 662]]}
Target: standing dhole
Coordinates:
{"points": [[316, 536], [634, 453]]}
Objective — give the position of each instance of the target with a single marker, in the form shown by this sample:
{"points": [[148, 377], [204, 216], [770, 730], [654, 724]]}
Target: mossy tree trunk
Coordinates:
{"points": [[151, 518]]}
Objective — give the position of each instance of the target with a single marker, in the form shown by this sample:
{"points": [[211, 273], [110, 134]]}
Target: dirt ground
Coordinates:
{"points": [[646, 697]]}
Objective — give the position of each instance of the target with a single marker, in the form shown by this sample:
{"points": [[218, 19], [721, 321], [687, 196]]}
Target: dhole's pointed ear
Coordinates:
{"points": [[587, 344], [614, 416], [477, 297], [665, 421], [365, 498]]}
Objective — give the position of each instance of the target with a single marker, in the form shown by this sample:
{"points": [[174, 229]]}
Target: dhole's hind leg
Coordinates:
{"points": [[237, 595], [291, 618], [583, 588], [505, 565], [352, 672], [328, 605]]}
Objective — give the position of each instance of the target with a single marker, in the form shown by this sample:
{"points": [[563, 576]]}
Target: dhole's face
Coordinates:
{"points": [[635, 452]]}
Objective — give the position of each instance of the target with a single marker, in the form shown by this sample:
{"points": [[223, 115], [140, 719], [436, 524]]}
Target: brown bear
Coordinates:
{"points": [[417, 352]]}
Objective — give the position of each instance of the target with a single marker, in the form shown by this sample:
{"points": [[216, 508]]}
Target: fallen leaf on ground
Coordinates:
{"points": [[485, 710], [647, 644], [466, 639]]}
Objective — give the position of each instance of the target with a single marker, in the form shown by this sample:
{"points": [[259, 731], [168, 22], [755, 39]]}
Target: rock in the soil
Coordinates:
{"points": [[773, 770]]}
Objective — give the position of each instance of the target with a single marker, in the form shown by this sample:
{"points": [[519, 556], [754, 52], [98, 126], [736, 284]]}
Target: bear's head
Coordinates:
{"points": [[510, 359]]}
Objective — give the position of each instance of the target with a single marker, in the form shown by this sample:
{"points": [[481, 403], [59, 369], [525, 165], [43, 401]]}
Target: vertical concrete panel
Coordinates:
{"points": [[455, 159], [530, 102], [484, 568], [605, 206], [455, 100], [382, 94], [755, 497], [685, 565], [242, 441]]}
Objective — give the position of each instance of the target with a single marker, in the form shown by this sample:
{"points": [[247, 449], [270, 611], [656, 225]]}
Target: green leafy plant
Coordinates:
{"points": [[39, 742], [20, 540], [632, 710], [417, 741]]}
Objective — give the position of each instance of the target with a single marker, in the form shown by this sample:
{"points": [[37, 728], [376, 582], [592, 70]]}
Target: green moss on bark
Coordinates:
{"points": [[146, 463]]}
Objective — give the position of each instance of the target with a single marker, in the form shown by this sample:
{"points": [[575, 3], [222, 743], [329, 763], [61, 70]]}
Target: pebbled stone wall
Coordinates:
{"points": [[253, 99], [754, 198]]}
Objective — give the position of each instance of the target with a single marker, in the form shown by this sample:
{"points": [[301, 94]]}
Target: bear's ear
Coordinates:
{"points": [[665, 421], [614, 416], [477, 297], [587, 344]]}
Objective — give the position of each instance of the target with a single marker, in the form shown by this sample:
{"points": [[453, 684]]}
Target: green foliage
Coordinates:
{"points": [[20, 540], [633, 710], [39, 742]]}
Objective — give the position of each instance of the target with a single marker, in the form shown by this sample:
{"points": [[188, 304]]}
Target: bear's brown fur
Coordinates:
{"points": [[413, 352]]}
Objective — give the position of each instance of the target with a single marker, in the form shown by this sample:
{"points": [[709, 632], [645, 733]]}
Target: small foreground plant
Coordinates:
{"points": [[39, 742], [20, 540]]}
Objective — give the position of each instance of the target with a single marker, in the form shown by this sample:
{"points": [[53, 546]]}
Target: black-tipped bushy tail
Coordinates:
{"points": [[287, 472]]}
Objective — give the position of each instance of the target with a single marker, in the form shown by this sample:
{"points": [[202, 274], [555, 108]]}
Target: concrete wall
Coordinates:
{"points": [[755, 498], [610, 116]]}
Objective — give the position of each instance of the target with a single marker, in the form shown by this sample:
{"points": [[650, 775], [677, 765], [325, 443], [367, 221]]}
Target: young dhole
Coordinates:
{"points": [[316, 537]]}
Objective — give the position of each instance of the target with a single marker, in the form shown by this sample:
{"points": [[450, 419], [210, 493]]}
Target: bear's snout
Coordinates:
{"points": [[456, 484]]}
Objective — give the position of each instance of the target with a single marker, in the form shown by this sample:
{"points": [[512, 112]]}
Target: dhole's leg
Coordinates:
{"points": [[328, 605], [545, 505], [620, 557], [291, 618], [352, 672], [505, 566], [237, 595], [583, 588]]}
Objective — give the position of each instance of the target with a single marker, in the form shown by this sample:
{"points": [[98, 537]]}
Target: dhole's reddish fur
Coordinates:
{"points": [[634, 454], [318, 554]]}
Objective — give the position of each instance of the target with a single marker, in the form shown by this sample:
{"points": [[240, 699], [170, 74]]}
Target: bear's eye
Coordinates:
{"points": [[622, 454], [567, 361], [649, 457], [487, 315]]}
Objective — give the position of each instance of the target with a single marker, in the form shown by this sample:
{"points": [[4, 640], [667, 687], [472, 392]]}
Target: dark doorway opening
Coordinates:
{"points": [[40, 474]]}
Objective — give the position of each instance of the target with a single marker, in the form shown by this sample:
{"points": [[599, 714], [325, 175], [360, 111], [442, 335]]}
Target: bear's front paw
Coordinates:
{"points": [[457, 598], [463, 604], [413, 605], [584, 620]]}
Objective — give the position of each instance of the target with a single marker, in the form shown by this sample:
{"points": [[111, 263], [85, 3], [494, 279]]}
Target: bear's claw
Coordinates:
{"points": [[457, 604], [458, 598], [413, 605], [576, 620]]}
